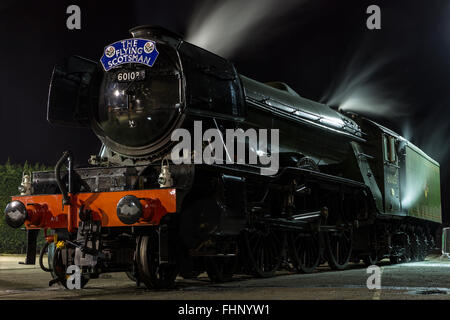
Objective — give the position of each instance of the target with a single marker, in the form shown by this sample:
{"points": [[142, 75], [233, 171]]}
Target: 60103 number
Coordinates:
{"points": [[126, 76]]}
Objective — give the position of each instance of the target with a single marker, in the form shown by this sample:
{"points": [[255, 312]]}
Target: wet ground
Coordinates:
{"points": [[429, 279]]}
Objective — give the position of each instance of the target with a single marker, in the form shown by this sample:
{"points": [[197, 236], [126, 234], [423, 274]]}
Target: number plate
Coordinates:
{"points": [[127, 76]]}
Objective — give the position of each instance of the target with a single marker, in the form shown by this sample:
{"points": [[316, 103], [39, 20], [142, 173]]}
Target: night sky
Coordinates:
{"points": [[315, 47]]}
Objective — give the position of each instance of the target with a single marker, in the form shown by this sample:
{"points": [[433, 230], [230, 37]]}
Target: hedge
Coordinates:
{"points": [[14, 240]]}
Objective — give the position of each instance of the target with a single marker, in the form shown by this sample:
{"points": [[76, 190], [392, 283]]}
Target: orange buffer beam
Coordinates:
{"points": [[46, 211]]}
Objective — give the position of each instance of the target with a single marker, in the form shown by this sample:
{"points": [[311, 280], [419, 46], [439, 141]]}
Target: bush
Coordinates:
{"points": [[14, 240]]}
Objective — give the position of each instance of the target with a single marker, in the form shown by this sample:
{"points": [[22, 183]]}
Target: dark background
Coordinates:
{"points": [[311, 48]]}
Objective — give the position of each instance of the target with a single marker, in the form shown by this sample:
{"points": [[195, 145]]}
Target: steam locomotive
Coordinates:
{"points": [[346, 189]]}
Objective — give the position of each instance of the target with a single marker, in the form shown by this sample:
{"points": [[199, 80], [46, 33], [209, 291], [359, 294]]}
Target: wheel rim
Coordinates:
{"points": [[304, 251], [151, 272], [339, 248], [264, 251]]}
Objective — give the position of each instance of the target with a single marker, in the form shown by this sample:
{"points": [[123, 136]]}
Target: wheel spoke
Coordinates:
{"points": [[339, 247], [264, 253], [304, 251]]}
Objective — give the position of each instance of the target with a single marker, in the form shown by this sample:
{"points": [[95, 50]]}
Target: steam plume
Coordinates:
{"points": [[432, 133], [223, 27], [357, 90]]}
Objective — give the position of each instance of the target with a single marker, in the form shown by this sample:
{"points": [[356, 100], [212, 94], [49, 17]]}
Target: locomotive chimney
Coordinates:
{"points": [[156, 32]]}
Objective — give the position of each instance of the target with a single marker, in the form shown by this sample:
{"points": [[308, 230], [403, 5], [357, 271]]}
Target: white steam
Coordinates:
{"points": [[356, 90], [224, 26], [432, 132], [407, 131]]}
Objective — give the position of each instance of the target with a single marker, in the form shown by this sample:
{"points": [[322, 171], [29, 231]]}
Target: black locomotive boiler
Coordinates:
{"points": [[346, 188]]}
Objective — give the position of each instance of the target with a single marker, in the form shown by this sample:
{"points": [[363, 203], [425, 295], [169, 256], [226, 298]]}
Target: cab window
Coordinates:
{"points": [[389, 149]]}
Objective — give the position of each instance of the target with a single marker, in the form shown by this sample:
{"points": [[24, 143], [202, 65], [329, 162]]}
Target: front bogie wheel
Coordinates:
{"points": [[151, 272]]}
